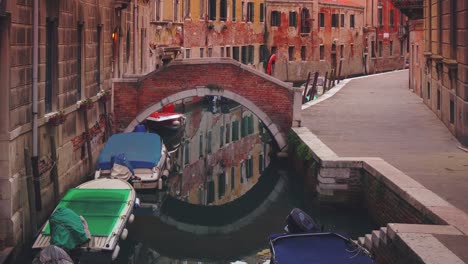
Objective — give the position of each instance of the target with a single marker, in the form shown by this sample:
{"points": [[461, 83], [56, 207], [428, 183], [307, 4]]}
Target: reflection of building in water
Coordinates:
{"points": [[222, 157]]}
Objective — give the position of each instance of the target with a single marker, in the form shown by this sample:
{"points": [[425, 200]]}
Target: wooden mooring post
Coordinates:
{"points": [[325, 82], [305, 89], [31, 193], [314, 86], [330, 79]]}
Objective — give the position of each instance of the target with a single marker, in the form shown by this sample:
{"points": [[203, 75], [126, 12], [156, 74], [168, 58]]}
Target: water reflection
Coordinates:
{"points": [[223, 151]]}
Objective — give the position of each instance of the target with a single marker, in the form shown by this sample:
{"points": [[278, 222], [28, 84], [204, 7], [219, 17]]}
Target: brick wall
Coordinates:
{"points": [[274, 100]]}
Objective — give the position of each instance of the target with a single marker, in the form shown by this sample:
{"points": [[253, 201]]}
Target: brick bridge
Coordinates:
{"points": [[276, 103]]}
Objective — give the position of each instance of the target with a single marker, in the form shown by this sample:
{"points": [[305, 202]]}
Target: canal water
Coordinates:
{"points": [[226, 193]]}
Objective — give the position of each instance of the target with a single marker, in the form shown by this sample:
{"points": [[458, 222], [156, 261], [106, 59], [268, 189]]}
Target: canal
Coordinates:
{"points": [[227, 192]]}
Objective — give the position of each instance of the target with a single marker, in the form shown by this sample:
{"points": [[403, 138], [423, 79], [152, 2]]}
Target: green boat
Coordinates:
{"points": [[106, 206]]}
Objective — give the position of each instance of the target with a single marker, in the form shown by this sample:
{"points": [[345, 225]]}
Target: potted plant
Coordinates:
{"points": [[224, 28], [85, 104], [211, 26], [57, 119], [104, 95]]}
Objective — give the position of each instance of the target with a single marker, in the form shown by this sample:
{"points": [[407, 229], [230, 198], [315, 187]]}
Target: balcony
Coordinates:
{"points": [[413, 9]]}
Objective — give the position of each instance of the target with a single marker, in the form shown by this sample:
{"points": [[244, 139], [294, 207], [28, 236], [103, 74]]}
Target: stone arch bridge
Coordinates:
{"points": [[276, 103]]}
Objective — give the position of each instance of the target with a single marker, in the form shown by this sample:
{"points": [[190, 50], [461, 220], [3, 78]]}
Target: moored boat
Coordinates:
{"points": [[140, 158], [305, 243], [105, 205], [168, 120]]}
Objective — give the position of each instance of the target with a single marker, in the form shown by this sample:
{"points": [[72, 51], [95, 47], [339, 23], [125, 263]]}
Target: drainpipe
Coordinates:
{"points": [[135, 37], [34, 158]]}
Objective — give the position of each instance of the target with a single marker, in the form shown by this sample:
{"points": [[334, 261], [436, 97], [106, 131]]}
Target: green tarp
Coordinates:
{"points": [[66, 228], [101, 208]]}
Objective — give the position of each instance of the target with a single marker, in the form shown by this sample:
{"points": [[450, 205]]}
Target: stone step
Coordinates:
{"points": [[375, 238], [383, 235], [368, 242], [361, 241]]}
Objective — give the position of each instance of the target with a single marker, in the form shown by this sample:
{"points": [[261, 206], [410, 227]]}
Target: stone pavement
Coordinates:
{"points": [[378, 116]]}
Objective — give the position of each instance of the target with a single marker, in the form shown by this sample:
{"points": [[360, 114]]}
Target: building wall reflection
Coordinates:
{"points": [[222, 155]]}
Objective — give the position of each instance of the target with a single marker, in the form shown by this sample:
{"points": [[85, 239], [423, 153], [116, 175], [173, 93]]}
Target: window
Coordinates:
{"points": [[202, 51], [261, 164], [291, 53], [275, 18], [202, 9], [351, 48], [391, 17], [235, 130], [228, 52], [303, 53], [222, 51], [351, 21], [212, 9], [210, 52], [342, 20], [428, 90], [210, 192], [373, 49], [221, 136], [243, 11], [305, 21], [223, 10], [208, 145], [176, 10], [228, 133], [438, 99], [322, 19], [391, 47], [221, 185], [292, 19], [401, 48], [244, 54], [342, 51], [249, 167], [187, 8], [380, 48], [251, 53], [245, 126], [322, 52], [157, 10], [262, 13], [250, 12], [200, 146], [234, 10], [380, 15], [79, 60], [187, 53], [51, 47], [233, 179], [251, 125], [235, 53], [334, 20], [261, 53], [452, 111]]}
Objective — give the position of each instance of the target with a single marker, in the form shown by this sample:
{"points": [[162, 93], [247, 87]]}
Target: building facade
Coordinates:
{"points": [[81, 47], [439, 59]]}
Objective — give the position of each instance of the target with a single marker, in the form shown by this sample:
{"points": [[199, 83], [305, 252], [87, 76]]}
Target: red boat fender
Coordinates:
{"points": [[270, 63]]}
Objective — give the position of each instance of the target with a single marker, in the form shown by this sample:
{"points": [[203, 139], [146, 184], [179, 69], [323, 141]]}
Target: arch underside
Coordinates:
{"points": [[204, 91]]}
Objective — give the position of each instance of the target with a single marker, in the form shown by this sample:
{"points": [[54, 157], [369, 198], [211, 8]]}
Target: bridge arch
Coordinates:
{"points": [[204, 91], [276, 103]]}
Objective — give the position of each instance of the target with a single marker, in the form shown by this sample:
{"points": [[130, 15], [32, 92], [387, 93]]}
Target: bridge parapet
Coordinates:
{"points": [[276, 103]]}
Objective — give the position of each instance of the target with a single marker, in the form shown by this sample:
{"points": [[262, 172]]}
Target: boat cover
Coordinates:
{"points": [[142, 150], [101, 208], [67, 230], [315, 248]]}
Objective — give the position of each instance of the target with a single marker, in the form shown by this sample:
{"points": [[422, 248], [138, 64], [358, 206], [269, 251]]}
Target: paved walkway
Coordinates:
{"points": [[378, 116]]}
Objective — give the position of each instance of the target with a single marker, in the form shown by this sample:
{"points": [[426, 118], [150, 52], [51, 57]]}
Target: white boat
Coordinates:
{"points": [[138, 157], [106, 205]]}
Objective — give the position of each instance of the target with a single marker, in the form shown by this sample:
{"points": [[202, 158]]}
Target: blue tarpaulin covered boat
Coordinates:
{"points": [[305, 244], [137, 157]]}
